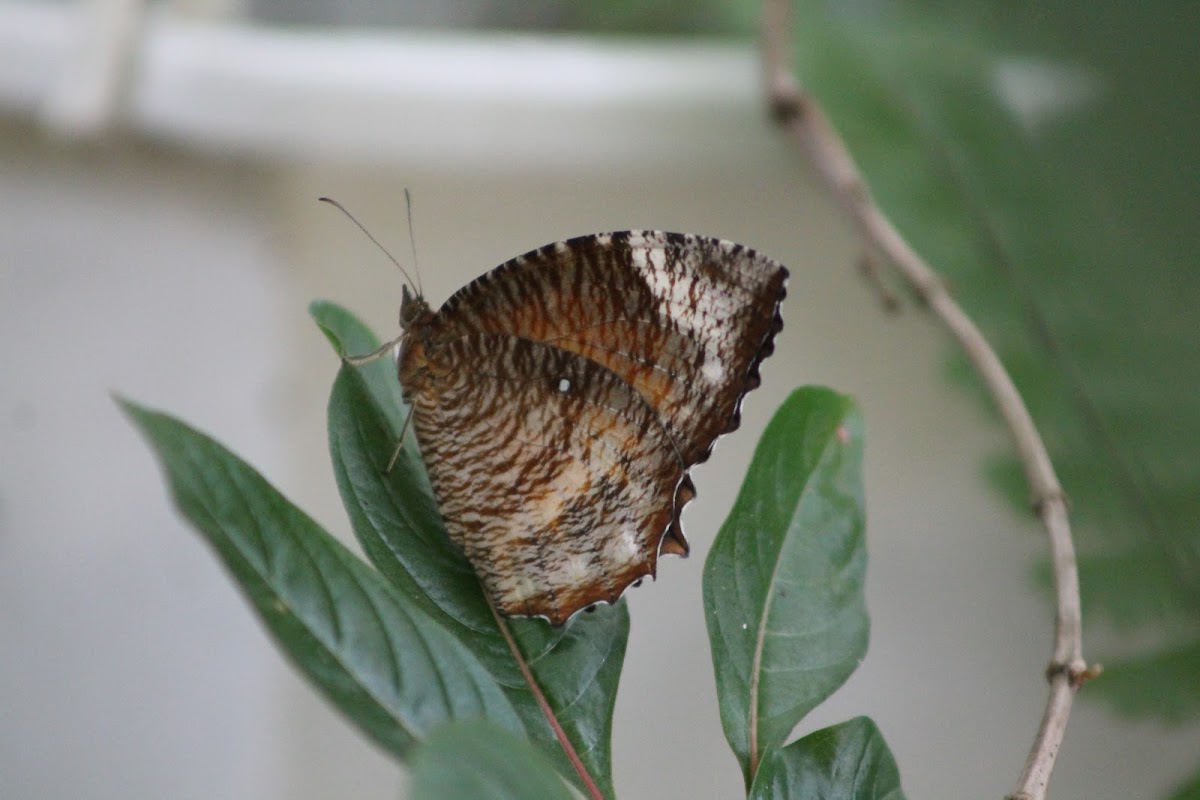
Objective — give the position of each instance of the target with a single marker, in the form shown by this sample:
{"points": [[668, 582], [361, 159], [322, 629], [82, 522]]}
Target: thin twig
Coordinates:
{"points": [[803, 119]]}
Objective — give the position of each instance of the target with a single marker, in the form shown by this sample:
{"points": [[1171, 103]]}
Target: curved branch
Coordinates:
{"points": [[803, 119]]}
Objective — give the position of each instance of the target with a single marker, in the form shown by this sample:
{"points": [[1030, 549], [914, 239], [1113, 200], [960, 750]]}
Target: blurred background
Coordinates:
{"points": [[160, 238]]}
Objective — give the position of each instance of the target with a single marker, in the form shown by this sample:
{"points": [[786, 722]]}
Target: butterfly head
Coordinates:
{"points": [[415, 319], [413, 309]]}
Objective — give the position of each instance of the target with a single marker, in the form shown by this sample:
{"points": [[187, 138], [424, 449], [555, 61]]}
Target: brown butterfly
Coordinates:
{"points": [[560, 400]]}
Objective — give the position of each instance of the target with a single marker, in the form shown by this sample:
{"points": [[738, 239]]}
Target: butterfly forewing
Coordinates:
{"points": [[684, 319], [560, 399]]}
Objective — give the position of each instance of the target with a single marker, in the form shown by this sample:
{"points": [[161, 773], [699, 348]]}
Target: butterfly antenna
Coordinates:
{"points": [[412, 238], [374, 241]]}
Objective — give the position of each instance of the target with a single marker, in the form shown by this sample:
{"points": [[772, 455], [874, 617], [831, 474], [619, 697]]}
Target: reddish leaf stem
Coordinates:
{"points": [[593, 790]]}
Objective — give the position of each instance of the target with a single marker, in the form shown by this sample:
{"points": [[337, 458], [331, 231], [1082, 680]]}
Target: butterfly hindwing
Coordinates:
{"points": [[552, 474]]}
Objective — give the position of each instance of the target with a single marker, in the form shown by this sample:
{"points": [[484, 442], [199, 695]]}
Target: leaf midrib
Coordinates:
{"points": [[761, 632]]}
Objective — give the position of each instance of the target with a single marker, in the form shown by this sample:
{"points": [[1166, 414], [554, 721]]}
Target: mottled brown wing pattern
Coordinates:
{"points": [[552, 474], [684, 319], [560, 399]]}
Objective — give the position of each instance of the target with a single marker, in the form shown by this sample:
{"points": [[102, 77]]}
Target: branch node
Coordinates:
{"points": [[868, 264], [785, 104], [1055, 496], [1078, 672]]}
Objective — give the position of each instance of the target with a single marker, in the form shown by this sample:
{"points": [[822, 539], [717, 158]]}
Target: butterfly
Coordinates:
{"points": [[560, 400]]}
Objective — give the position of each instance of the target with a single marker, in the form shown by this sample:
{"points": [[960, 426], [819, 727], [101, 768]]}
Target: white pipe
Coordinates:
{"points": [[485, 101]]}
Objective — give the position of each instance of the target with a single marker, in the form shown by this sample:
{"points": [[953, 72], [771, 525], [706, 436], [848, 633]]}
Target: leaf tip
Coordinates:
{"points": [[136, 412], [325, 314]]}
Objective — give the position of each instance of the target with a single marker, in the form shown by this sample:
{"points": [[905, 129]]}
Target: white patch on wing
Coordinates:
{"points": [[637, 239], [658, 258], [624, 547], [713, 370], [705, 317], [577, 569], [638, 256]]}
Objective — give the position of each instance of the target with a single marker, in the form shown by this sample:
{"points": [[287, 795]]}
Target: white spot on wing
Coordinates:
{"points": [[578, 569], [674, 289], [625, 547], [713, 371], [658, 258], [638, 256], [564, 385]]}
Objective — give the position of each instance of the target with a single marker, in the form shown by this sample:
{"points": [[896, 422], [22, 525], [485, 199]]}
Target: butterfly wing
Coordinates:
{"points": [[551, 473], [684, 319], [563, 497]]}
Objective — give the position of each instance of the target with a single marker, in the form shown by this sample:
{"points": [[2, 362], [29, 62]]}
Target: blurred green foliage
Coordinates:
{"points": [[1043, 158]]}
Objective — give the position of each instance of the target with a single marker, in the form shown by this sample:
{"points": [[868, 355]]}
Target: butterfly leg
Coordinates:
{"points": [[383, 350], [399, 445]]}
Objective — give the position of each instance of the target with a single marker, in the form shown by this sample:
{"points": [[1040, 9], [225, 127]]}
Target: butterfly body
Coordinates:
{"points": [[560, 400]]}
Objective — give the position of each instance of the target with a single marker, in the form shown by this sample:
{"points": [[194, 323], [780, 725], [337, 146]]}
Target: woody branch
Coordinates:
{"points": [[806, 123]]}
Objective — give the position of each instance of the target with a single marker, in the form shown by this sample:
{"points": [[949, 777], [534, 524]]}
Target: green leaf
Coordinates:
{"points": [[849, 761], [350, 337], [783, 583], [476, 760], [577, 667], [394, 671], [1033, 156]]}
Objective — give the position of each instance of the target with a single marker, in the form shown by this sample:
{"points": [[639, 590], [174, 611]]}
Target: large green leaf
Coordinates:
{"points": [[1035, 153], [477, 760], [392, 669], [577, 667], [783, 583], [850, 761]]}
